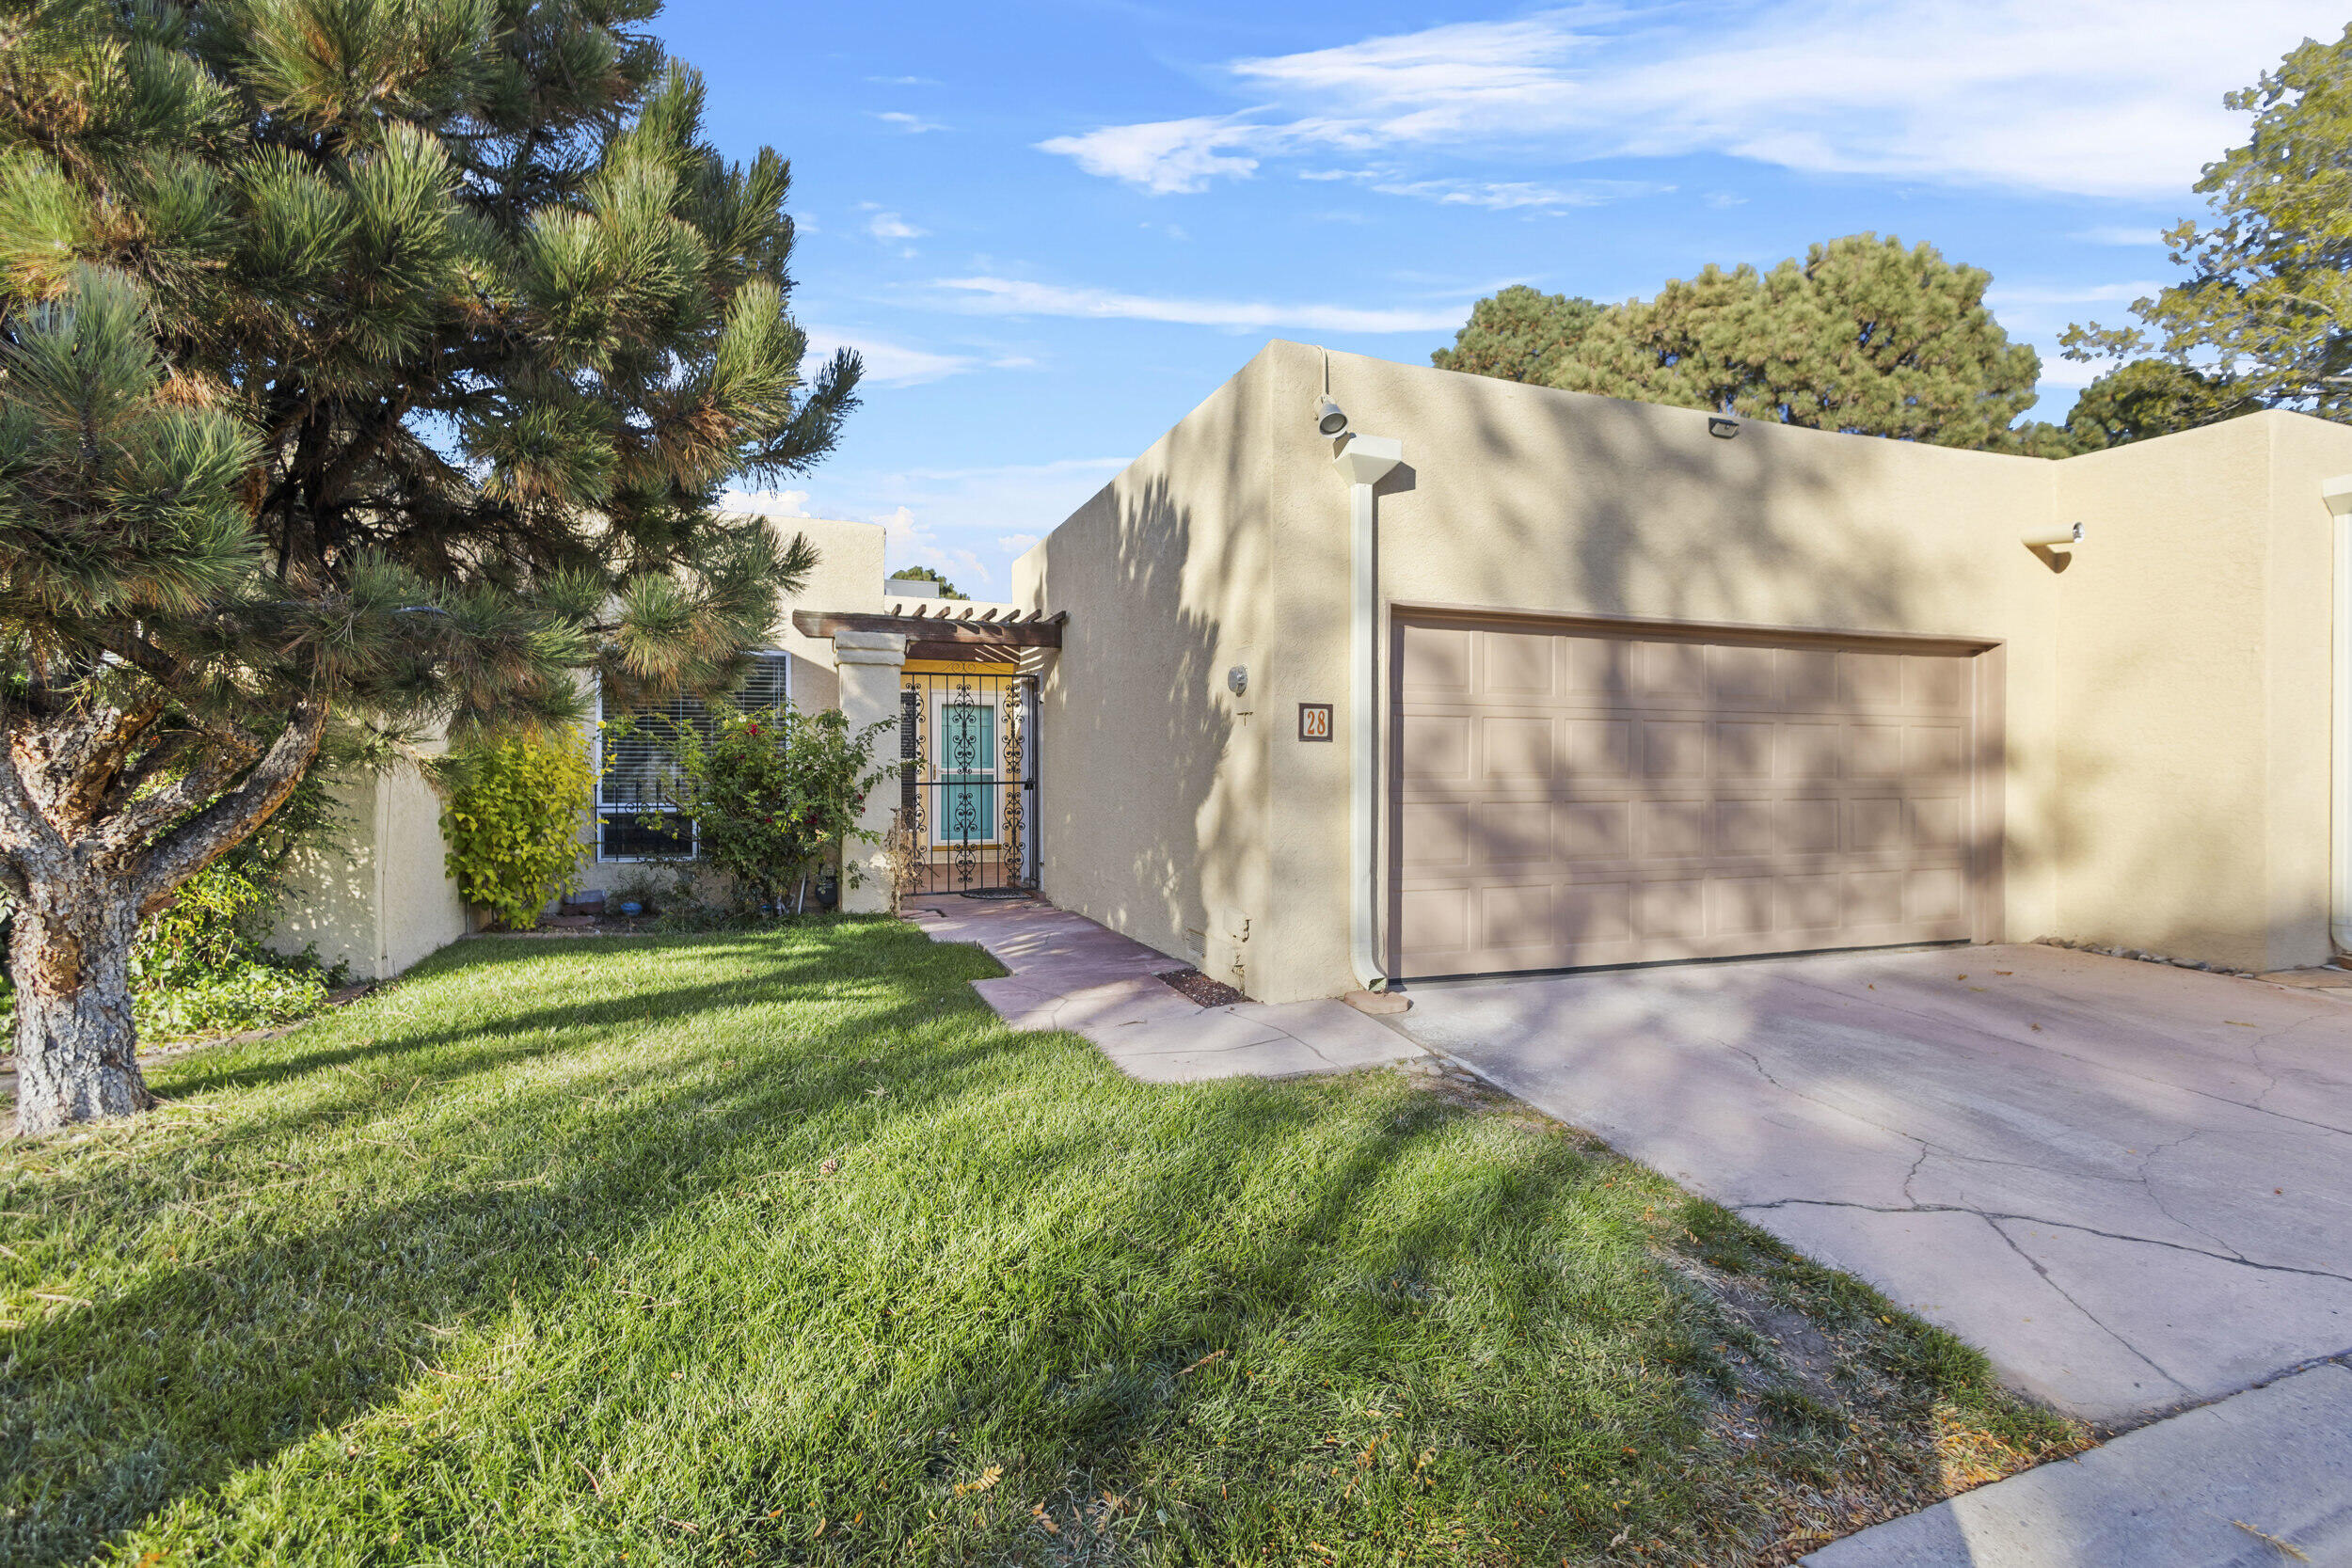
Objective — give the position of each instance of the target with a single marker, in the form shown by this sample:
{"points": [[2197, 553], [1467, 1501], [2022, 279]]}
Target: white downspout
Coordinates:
{"points": [[1363, 461], [2336, 492]]}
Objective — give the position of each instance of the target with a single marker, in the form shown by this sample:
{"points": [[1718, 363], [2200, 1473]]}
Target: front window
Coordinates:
{"points": [[633, 820]]}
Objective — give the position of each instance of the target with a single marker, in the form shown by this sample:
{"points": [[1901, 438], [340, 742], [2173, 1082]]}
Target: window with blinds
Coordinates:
{"points": [[633, 821]]}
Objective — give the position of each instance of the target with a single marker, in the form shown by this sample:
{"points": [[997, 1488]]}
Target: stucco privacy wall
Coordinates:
{"points": [[1522, 498], [2194, 635], [377, 895], [1153, 792]]}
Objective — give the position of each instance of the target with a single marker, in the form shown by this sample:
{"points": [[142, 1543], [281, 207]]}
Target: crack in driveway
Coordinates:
{"points": [[1995, 1216], [1787, 1093]]}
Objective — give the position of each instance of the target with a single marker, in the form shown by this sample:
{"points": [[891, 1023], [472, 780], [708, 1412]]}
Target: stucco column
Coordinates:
{"points": [[869, 663]]}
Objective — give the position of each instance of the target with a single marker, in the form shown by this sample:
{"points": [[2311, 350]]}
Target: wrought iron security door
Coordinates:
{"points": [[967, 782]]}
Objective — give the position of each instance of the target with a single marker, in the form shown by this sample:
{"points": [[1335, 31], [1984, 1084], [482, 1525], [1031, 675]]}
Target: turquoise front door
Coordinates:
{"points": [[967, 760]]}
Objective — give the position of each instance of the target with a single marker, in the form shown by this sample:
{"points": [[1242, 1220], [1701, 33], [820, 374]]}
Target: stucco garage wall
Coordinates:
{"points": [[2193, 692], [1522, 497], [1153, 792], [2164, 776]]}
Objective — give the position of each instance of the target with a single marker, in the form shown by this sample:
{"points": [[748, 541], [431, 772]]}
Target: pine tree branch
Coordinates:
{"points": [[226, 822], [142, 816], [157, 761]]}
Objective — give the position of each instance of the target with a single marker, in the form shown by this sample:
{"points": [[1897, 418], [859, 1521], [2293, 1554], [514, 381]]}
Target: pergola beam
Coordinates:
{"points": [[1040, 632]]}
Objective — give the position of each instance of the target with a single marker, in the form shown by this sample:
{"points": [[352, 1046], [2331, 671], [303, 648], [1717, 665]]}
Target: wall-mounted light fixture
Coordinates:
{"points": [[1330, 419], [1237, 679], [1721, 427], [2056, 536]]}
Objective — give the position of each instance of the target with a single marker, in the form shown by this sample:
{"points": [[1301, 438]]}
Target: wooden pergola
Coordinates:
{"points": [[974, 637]]}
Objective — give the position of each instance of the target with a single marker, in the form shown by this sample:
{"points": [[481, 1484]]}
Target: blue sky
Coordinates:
{"points": [[1052, 228]]}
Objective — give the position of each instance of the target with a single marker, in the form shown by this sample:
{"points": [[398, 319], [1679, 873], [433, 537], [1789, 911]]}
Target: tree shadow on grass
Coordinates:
{"points": [[1019, 1249]]}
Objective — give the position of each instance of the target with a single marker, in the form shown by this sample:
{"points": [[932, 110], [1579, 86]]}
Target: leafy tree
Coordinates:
{"points": [[928, 574], [366, 367], [1518, 334], [2264, 317], [1863, 335]]}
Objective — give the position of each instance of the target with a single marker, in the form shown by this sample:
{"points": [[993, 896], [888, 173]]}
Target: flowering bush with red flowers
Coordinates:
{"points": [[771, 793]]}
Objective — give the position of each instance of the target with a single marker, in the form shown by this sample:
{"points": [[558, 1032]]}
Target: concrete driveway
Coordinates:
{"points": [[2130, 1183]]}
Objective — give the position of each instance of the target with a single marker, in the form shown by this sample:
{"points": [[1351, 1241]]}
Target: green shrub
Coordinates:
{"points": [[249, 994], [513, 826], [202, 930], [771, 792]]}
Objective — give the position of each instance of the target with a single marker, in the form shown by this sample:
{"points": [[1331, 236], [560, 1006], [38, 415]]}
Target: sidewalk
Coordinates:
{"points": [[1068, 973], [2260, 1479]]}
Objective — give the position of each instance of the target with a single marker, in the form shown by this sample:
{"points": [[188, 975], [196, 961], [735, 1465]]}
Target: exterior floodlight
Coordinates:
{"points": [[1722, 429], [1330, 419], [2056, 536]]}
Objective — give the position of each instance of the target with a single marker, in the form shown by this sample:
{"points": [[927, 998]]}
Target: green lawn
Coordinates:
{"points": [[778, 1247]]}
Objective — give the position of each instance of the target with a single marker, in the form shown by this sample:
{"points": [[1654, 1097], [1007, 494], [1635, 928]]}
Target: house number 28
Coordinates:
{"points": [[1315, 720]]}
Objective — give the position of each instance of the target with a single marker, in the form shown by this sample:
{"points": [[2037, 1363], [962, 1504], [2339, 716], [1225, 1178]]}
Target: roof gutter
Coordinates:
{"points": [[2337, 493], [1363, 461]]}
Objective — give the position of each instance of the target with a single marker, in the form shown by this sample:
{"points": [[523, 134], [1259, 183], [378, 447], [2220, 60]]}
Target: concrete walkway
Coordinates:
{"points": [[2260, 1479], [2130, 1183], [1068, 973]]}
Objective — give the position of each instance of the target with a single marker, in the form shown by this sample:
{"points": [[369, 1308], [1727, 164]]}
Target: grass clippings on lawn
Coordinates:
{"points": [[777, 1246]]}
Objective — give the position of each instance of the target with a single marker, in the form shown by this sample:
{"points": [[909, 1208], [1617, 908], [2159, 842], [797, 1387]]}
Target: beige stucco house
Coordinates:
{"points": [[1646, 685], [379, 897], [1368, 673]]}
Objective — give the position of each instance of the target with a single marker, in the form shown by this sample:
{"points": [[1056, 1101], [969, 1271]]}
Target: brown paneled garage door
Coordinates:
{"points": [[1575, 797]]}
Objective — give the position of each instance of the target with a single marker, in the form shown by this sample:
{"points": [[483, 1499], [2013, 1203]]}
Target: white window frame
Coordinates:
{"points": [[600, 810]]}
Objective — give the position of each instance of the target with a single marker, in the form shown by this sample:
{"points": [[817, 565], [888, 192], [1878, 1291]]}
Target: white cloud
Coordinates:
{"points": [[903, 81], [1170, 156], [913, 125], [2097, 97], [768, 503], [2002, 295], [2067, 374], [2116, 233], [887, 363], [890, 225], [1505, 195], [1016, 297], [1015, 543], [2035, 311]]}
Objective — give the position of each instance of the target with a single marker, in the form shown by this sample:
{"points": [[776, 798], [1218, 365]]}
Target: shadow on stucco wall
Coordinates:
{"points": [[1522, 498], [1144, 826]]}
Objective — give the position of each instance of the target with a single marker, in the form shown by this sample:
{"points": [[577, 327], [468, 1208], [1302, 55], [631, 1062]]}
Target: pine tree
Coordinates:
{"points": [[1863, 335], [367, 369], [1518, 334]]}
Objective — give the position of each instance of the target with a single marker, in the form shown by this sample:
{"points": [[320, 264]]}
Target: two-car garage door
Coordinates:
{"points": [[1577, 796]]}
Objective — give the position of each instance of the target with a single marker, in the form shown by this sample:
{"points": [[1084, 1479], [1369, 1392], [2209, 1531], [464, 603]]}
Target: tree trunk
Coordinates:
{"points": [[77, 1047]]}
